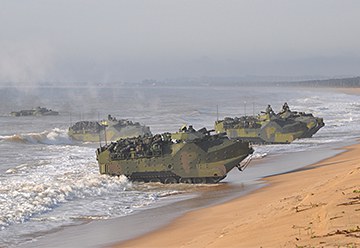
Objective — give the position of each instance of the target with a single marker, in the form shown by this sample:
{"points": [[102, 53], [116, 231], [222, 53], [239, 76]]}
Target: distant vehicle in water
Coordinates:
{"points": [[187, 156], [107, 130], [269, 127], [39, 111]]}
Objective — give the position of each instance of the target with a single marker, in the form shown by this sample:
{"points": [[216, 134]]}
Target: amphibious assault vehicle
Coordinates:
{"points": [[107, 130], [39, 111], [269, 127], [187, 156]]}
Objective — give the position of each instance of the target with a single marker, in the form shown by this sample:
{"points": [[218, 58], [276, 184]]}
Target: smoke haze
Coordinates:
{"points": [[121, 40]]}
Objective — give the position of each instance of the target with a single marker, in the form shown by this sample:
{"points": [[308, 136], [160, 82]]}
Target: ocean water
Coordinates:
{"points": [[48, 181]]}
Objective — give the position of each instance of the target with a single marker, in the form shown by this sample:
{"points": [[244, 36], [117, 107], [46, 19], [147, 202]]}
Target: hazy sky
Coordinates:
{"points": [[132, 40]]}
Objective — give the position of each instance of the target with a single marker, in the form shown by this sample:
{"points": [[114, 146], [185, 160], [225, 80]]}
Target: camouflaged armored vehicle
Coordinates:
{"points": [[268, 127], [188, 156], [39, 111], [108, 130]]}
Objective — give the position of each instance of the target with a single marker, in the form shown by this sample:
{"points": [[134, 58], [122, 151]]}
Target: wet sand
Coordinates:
{"points": [[268, 217], [103, 233], [316, 206]]}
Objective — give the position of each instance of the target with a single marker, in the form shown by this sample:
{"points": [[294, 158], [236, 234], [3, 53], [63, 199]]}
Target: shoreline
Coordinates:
{"points": [[104, 233], [316, 205], [100, 233], [349, 91]]}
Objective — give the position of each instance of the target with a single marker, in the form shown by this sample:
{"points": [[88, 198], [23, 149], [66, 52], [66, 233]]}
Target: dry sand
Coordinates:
{"points": [[318, 206]]}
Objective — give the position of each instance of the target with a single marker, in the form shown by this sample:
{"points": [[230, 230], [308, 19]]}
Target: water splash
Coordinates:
{"points": [[54, 137]]}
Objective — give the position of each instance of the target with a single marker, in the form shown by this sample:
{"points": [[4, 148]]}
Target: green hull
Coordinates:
{"points": [[111, 134], [204, 160], [39, 111], [107, 130], [282, 128]]}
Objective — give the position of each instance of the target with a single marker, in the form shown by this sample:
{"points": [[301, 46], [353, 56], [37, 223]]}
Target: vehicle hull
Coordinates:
{"points": [[266, 129], [192, 162], [110, 134]]}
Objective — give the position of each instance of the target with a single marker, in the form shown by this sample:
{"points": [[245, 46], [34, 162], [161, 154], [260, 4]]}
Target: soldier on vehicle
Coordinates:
{"points": [[110, 118], [191, 129], [285, 107], [269, 110], [183, 128]]}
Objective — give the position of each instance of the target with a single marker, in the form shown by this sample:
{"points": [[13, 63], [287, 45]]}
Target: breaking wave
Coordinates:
{"points": [[54, 137], [47, 187], [23, 199], [45, 190]]}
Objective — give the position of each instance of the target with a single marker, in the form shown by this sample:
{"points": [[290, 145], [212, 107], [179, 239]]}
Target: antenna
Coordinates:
{"points": [[253, 109], [105, 135], [99, 129], [245, 108], [105, 125], [217, 112]]}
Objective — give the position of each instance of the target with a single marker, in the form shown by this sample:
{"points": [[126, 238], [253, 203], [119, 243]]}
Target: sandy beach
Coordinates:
{"points": [[349, 90], [317, 206]]}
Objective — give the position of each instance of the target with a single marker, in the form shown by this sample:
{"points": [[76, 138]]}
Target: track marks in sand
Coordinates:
{"points": [[354, 232], [333, 212]]}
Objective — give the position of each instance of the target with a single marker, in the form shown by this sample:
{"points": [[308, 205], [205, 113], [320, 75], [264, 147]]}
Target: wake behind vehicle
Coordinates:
{"points": [[109, 130], [270, 128], [38, 111], [187, 156]]}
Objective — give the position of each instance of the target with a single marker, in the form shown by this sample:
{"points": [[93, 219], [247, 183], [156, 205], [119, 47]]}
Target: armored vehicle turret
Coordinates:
{"points": [[109, 130], [187, 156], [269, 127], [39, 111]]}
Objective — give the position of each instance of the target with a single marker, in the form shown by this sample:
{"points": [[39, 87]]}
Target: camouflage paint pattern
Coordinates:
{"points": [[192, 159], [110, 131], [281, 128]]}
